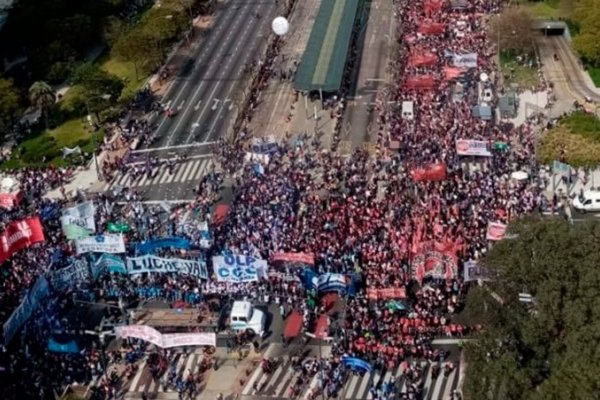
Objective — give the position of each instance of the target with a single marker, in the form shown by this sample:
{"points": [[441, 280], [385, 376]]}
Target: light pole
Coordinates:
{"points": [[94, 137]]}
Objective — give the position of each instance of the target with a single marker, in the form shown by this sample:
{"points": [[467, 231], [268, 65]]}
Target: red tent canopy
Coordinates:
{"points": [[293, 325], [420, 82], [420, 59], [431, 28]]}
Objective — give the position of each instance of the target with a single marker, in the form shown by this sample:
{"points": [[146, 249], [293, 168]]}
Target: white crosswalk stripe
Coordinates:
{"points": [[185, 364], [284, 377], [189, 172]]}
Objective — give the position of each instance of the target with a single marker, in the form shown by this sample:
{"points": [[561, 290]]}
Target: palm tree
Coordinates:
{"points": [[41, 95]]}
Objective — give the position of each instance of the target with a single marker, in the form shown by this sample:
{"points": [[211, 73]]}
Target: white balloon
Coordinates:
{"points": [[280, 26]]}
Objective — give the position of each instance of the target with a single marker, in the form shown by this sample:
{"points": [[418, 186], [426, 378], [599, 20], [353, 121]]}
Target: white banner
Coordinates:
{"points": [[167, 340], [468, 60], [81, 215], [239, 268], [100, 244], [153, 264], [478, 148]]}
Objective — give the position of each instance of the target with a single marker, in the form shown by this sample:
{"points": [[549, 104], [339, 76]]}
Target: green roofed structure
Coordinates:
{"points": [[323, 61]]}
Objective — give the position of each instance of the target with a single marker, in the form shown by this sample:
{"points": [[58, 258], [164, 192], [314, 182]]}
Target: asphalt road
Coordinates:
{"points": [[567, 62], [369, 76], [205, 91]]}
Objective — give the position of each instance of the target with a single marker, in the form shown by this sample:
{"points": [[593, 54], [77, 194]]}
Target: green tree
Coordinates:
{"points": [[511, 30], [42, 96], [10, 100], [97, 81], [133, 47], [549, 349], [587, 16]]}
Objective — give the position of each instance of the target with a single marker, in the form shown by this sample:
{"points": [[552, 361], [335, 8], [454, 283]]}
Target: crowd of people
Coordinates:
{"points": [[364, 216]]}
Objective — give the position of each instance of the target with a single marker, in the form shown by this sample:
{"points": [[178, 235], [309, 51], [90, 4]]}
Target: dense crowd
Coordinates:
{"points": [[364, 216]]}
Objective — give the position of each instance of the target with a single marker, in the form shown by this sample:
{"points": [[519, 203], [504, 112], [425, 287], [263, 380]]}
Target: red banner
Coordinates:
{"points": [[420, 82], [451, 73], [422, 59], [386, 293], [431, 28], [9, 200], [433, 172], [20, 234], [495, 231], [432, 6], [435, 259], [301, 258]]}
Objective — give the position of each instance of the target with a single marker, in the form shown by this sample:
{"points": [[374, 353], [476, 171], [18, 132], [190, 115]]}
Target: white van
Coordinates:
{"points": [[244, 317], [589, 201]]}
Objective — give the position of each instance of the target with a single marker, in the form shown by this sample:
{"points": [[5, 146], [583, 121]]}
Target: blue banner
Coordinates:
{"points": [[50, 211], [38, 292], [357, 364], [310, 279], [109, 263], [332, 283], [151, 245], [56, 347]]}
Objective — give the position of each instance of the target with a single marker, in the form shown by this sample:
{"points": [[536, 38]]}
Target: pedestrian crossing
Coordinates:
{"points": [[190, 171], [185, 364], [284, 379]]}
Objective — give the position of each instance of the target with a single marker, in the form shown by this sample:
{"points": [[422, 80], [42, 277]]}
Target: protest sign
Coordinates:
{"points": [[495, 231], [100, 244], [239, 268], [386, 293], [152, 264], [468, 60], [79, 221], [477, 148], [474, 271]]}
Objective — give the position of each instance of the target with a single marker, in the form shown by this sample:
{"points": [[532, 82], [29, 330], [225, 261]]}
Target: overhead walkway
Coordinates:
{"points": [[323, 61]]}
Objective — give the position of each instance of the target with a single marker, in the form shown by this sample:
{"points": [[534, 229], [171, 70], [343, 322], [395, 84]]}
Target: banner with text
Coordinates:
{"points": [[100, 244], [477, 148], [152, 264], [18, 235], [239, 268], [167, 340], [475, 272], [110, 263], [76, 273], [332, 283], [468, 60], [436, 260], [78, 221]]}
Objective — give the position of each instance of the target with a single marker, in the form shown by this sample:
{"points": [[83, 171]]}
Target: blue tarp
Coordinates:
{"points": [[357, 364], [69, 347]]}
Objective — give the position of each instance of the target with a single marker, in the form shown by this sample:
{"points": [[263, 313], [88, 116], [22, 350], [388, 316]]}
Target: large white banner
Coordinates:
{"points": [[79, 221], [239, 268], [151, 335], [100, 244], [153, 264], [478, 148], [468, 60]]}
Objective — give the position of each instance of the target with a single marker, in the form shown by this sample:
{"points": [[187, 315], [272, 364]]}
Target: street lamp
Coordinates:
{"points": [[94, 137]]}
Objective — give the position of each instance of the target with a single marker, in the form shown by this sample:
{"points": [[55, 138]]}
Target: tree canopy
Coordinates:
{"points": [[549, 349], [587, 16], [511, 30], [9, 101]]}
